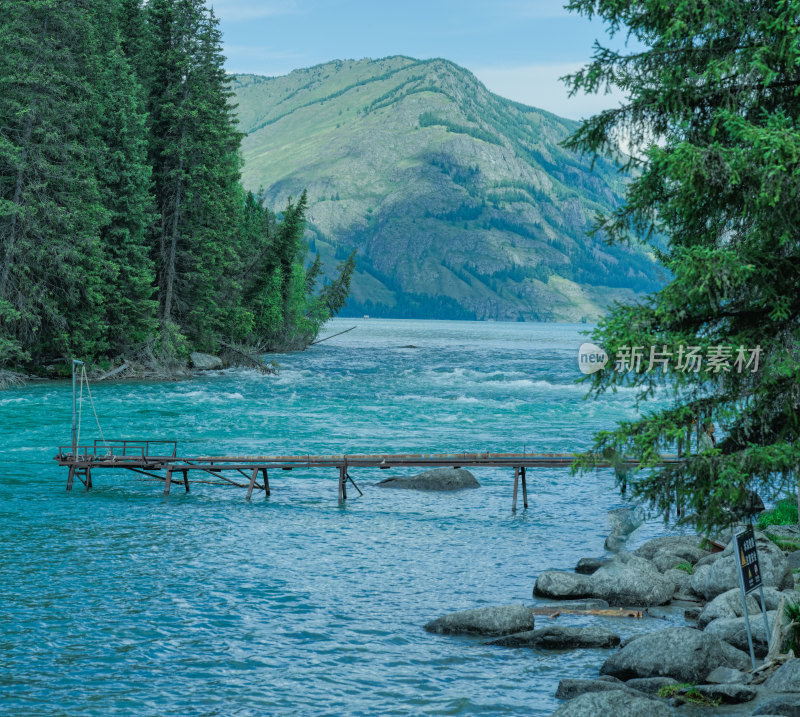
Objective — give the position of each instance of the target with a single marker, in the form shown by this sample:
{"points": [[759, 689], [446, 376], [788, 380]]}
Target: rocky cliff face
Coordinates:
{"points": [[461, 204]]}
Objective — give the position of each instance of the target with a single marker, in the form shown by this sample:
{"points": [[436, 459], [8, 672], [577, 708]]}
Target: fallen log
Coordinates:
{"points": [[601, 612]]}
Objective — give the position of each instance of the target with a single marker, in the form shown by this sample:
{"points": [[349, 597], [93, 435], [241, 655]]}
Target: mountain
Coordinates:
{"points": [[460, 203]]}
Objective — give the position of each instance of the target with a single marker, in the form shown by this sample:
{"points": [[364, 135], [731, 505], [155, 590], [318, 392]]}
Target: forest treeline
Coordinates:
{"points": [[124, 228]]}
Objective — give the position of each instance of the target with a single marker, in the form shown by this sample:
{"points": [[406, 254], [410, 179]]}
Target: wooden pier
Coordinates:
{"points": [[159, 460]]}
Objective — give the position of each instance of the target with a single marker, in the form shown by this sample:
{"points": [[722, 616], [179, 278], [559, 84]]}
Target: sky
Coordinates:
{"points": [[517, 48]]}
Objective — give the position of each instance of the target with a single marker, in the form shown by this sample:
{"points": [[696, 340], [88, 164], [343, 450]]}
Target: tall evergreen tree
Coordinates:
{"points": [[714, 103]]}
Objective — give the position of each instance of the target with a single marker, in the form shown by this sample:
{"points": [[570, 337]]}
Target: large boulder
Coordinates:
{"points": [[786, 678], [727, 694], [709, 581], [587, 566], [627, 580], [491, 621], [675, 544], [205, 362], [620, 703], [569, 689], [734, 631], [443, 479], [650, 685], [558, 637], [729, 604], [785, 705], [686, 654], [562, 586], [631, 580]]}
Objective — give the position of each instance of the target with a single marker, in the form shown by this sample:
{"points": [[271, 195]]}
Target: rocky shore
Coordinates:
{"points": [[700, 663]]}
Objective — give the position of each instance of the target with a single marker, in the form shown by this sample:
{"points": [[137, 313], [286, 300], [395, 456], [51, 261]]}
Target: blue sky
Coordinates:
{"points": [[517, 48]]}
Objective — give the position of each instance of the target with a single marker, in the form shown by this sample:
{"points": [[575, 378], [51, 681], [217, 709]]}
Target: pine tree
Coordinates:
{"points": [[713, 109], [53, 271]]}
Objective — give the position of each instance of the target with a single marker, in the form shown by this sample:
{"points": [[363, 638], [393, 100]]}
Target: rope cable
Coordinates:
{"points": [[91, 400], [80, 412]]}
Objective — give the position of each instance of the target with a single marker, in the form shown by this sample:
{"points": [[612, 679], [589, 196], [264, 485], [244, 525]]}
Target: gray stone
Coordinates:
{"points": [[575, 605], [786, 678], [786, 532], [675, 544], [205, 362], [729, 604], [709, 559], [650, 685], [623, 522], [560, 585], [557, 637], [679, 578], [493, 621], [725, 675], [619, 703], [785, 706], [692, 613], [794, 560], [728, 694], [719, 577], [665, 559], [443, 479], [587, 566], [631, 580], [684, 653], [734, 631], [569, 689]]}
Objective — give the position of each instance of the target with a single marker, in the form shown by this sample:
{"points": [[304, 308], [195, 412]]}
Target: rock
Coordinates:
{"points": [[709, 559], [569, 689], [679, 578], [205, 362], [785, 532], [715, 579], [684, 653], [559, 585], [666, 559], [557, 637], [626, 580], [728, 694], [787, 706], [630, 580], [786, 678], [692, 613], [587, 566], [794, 560], [734, 632], [623, 522], [437, 479], [725, 675], [620, 703], [729, 604], [650, 685], [682, 545], [492, 621]]}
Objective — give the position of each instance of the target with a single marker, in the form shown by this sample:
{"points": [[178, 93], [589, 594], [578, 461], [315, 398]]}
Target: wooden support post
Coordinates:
{"points": [[186, 480], [516, 483], [524, 487], [252, 483], [266, 481], [342, 479], [168, 481], [71, 477], [88, 474]]}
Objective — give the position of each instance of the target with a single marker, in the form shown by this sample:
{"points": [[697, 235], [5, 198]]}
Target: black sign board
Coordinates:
{"points": [[747, 560]]}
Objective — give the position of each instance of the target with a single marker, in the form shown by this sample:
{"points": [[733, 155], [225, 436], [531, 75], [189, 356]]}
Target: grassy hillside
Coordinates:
{"points": [[460, 203]]}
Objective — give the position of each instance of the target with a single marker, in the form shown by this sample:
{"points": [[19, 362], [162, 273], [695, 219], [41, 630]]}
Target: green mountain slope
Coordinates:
{"points": [[461, 204]]}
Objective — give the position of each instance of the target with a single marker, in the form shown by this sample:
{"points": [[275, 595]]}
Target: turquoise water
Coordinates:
{"points": [[121, 601]]}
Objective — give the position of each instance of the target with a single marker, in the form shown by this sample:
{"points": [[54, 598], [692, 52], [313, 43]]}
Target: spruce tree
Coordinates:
{"points": [[713, 115]]}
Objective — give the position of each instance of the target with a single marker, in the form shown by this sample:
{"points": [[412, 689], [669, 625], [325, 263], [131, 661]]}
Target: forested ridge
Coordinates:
{"points": [[124, 228]]}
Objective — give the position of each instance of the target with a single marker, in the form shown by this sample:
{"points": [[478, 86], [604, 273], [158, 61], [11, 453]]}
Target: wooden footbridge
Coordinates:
{"points": [[159, 460]]}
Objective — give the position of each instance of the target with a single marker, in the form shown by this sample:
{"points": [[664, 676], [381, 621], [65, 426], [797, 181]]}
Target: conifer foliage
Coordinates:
{"points": [[122, 219], [713, 106]]}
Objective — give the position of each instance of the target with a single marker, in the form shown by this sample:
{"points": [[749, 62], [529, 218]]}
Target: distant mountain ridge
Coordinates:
{"points": [[461, 204]]}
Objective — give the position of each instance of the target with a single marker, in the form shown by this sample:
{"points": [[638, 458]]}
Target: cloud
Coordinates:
{"points": [[539, 86], [244, 10]]}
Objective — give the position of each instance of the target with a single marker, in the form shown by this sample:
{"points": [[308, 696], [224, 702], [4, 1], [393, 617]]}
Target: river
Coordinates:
{"points": [[119, 601]]}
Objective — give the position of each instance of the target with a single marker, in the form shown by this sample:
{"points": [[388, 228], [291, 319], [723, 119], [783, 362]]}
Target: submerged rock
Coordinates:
{"points": [[686, 654], [619, 703], [558, 637], [205, 362], [443, 479], [569, 689], [490, 621]]}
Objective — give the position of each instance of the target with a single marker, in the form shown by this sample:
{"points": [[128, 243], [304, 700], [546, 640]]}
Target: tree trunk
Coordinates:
{"points": [[173, 245]]}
